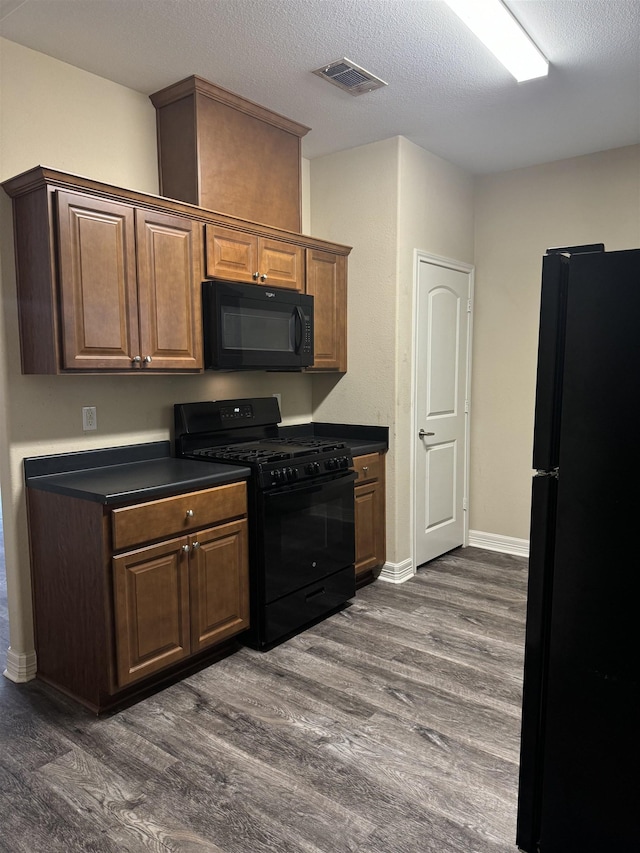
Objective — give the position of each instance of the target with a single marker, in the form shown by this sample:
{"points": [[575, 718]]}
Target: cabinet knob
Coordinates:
{"points": [[147, 359], [195, 546], [189, 513], [136, 359], [185, 548], [263, 277], [256, 275], [365, 468]]}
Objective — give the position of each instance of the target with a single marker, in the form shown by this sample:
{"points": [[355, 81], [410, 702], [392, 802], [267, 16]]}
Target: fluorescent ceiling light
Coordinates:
{"points": [[496, 27]]}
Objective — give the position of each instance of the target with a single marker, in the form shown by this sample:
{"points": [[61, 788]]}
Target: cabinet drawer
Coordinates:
{"points": [[145, 522], [368, 467]]}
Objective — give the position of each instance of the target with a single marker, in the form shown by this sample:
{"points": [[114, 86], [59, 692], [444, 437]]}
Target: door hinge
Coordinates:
{"points": [[464, 503], [466, 407], [468, 306]]}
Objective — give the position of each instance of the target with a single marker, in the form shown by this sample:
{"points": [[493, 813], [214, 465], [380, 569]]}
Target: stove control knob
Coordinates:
{"points": [[331, 464], [277, 475], [344, 462], [292, 473]]}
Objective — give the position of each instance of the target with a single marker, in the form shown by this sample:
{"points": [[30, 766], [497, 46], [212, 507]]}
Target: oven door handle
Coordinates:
{"points": [[314, 485]]}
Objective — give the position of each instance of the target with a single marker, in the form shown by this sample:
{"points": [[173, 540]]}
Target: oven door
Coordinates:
{"points": [[307, 533]]}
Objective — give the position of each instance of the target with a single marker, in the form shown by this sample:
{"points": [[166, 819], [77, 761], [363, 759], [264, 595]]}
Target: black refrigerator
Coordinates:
{"points": [[578, 786]]}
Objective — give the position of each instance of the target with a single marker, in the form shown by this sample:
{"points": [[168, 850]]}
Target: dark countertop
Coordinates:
{"points": [[130, 473], [359, 438], [140, 472]]}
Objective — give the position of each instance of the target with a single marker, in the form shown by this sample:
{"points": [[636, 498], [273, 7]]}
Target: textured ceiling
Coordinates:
{"points": [[446, 93]]}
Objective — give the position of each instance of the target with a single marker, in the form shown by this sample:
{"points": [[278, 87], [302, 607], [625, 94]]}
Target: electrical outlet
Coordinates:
{"points": [[89, 418]]}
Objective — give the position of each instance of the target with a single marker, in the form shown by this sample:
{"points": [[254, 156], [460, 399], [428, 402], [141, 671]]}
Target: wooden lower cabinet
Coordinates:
{"points": [[151, 611], [115, 611], [178, 598], [370, 517]]}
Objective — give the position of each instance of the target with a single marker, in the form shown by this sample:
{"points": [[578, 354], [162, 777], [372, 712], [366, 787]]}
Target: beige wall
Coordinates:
{"points": [[386, 199], [519, 214], [56, 115]]}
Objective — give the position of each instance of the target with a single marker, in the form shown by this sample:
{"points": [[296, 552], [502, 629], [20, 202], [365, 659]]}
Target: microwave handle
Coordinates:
{"points": [[299, 315]]}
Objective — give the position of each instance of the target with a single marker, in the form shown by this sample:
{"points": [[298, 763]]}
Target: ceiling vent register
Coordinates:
{"points": [[349, 77]]}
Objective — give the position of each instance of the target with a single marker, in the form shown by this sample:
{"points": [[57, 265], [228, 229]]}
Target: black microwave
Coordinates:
{"points": [[254, 327]]}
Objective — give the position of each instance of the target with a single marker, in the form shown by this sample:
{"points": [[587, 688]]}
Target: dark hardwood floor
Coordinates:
{"points": [[391, 727]]}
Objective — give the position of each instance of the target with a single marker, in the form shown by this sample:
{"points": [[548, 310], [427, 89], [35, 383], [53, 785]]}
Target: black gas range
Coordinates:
{"points": [[301, 510]]}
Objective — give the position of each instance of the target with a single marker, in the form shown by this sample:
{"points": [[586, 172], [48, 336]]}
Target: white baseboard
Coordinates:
{"points": [[397, 572], [21, 667], [504, 544]]}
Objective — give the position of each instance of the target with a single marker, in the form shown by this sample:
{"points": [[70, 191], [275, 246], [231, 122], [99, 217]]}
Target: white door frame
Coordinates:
{"points": [[437, 260]]}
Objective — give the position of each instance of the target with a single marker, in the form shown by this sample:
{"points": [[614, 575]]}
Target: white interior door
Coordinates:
{"points": [[441, 407]]}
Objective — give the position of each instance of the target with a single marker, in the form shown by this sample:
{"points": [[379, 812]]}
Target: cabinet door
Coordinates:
{"points": [[370, 521], [219, 583], [99, 321], [327, 283], [231, 254], [280, 264], [151, 609], [169, 291]]}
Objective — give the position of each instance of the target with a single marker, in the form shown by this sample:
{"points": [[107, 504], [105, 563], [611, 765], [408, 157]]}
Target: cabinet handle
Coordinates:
{"points": [[136, 360], [185, 548], [263, 277], [365, 468], [147, 359], [256, 276], [195, 546], [189, 513]]}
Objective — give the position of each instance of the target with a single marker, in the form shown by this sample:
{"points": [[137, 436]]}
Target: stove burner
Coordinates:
{"points": [[270, 450]]}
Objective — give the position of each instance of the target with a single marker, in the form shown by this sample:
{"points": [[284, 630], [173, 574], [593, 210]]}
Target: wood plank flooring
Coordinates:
{"points": [[391, 727]]}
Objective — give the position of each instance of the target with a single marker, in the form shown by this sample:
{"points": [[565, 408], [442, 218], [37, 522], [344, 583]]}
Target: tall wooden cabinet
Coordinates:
{"points": [[218, 150]]}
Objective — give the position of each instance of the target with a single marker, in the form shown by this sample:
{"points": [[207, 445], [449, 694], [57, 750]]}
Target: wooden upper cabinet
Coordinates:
{"points": [[170, 307], [97, 282], [231, 255], [240, 256], [327, 283], [110, 279], [224, 153], [280, 264]]}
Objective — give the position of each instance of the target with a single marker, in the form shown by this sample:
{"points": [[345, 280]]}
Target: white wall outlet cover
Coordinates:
{"points": [[89, 418]]}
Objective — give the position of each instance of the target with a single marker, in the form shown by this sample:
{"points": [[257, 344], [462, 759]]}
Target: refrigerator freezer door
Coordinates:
{"points": [[555, 271]]}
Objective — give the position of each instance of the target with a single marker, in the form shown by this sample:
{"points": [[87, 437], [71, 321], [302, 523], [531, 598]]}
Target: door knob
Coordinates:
{"points": [[422, 433]]}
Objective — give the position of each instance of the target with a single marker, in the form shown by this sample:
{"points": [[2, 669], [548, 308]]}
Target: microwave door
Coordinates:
{"points": [[252, 328]]}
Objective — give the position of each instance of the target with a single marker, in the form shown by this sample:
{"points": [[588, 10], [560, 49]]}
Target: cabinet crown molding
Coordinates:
{"points": [[198, 85]]}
